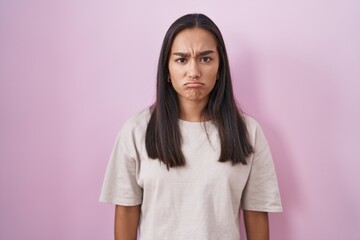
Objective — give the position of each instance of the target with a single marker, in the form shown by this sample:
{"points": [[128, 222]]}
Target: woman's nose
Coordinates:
{"points": [[193, 70]]}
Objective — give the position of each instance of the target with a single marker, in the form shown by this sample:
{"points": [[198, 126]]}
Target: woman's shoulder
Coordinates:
{"points": [[137, 122], [140, 117], [251, 123], [255, 131]]}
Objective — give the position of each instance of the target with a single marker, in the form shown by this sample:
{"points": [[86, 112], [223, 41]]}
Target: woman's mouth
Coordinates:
{"points": [[194, 84]]}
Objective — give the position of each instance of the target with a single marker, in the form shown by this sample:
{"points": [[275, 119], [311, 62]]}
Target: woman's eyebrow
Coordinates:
{"points": [[181, 54], [206, 52], [201, 53]]}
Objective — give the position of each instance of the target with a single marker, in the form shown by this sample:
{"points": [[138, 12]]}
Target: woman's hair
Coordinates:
{"points": [[163, 137]]}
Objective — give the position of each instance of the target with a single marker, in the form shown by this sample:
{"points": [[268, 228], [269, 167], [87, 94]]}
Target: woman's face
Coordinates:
{"points": [[193, 65]]}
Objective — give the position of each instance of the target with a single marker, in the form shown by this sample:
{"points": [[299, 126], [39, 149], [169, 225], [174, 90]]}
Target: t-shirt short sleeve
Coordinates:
{"points": [[261, 192], [120, 184]]}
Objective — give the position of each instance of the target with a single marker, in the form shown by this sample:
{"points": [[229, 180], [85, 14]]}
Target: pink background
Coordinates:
{"points": [[71, 72]]}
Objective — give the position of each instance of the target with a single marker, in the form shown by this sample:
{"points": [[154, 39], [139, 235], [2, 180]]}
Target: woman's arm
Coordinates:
{"points": [[126, 222], [256, 225]]}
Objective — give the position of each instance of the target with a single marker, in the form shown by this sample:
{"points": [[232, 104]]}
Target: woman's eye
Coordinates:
{"points": [[180, 60], [206, 59]]}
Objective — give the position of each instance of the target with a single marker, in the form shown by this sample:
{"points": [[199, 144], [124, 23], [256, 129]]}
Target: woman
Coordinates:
{"points": [[184, 168]]}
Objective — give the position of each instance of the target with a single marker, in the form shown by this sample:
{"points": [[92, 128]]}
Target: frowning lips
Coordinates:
{"points": [[194, 84]]}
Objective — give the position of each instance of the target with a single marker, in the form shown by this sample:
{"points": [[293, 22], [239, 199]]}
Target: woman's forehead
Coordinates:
{"points": [[194, 39]]}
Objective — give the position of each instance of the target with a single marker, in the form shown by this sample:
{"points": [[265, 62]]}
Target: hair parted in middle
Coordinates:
{"points": [[163, 138]]}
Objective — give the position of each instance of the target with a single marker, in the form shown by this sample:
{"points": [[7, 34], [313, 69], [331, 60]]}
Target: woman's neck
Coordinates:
{"points": [[193, 111]]}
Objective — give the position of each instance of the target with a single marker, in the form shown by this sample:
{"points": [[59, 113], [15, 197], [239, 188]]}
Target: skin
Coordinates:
{"points": [[193, 67], [126, 222], [256, 225]]}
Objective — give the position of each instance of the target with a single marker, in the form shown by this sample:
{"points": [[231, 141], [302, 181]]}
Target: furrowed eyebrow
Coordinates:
{"points": [[202, 53], [180, 54], [206, 52]]}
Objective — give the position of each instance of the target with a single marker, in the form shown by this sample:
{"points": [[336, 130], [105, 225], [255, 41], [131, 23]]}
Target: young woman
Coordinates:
{"points": [[184, 168]]}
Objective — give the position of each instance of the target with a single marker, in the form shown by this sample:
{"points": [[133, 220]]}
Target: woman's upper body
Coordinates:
{"points": [[192, 160], [200, 200]]}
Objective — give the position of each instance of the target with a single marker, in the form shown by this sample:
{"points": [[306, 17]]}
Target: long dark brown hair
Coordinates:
{"points": [[163, 138]]}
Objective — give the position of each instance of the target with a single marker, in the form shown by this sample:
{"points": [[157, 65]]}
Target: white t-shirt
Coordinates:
{"points": [[199, 201]]}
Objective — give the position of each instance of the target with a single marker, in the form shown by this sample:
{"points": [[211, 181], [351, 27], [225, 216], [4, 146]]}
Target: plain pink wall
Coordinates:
{"points": [[71, 72]]}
